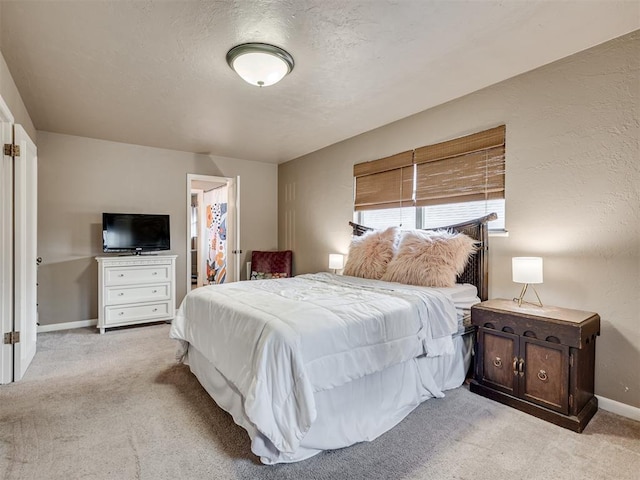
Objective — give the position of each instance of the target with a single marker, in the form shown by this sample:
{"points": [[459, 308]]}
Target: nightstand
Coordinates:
{"points": [[537, 359]]}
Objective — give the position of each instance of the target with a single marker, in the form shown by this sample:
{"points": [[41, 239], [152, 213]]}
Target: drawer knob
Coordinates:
{"points": [[154, 273], [154, 291], [121, 274], [542, 376], [120, 313], [155, 310], [497, 362], [121, 294]]}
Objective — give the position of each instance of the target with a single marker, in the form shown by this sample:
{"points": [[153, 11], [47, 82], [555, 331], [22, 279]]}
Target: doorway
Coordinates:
{"points": [[213, 237]]}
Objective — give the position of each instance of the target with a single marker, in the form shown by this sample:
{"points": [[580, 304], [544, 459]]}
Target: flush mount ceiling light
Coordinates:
{"points": [[260, 64]]}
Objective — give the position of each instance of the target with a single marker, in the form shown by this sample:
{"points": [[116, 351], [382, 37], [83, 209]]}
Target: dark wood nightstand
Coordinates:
{"points": [[537, 359]]}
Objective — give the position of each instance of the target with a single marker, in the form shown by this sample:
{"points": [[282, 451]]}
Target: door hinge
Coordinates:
{"points": [[11, 150], [571, 360], [570, 400], [11, 338]]}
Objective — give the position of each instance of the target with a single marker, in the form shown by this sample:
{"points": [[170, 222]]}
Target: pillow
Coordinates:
{"points": [[370, 253], [267, 275], [430, 258]]}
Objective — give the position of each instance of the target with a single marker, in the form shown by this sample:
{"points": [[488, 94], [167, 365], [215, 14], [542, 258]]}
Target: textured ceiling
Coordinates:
{"points": [[154, 72]]}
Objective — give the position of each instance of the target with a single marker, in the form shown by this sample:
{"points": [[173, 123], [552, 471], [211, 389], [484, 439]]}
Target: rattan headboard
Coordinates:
{"points": [[477, 270]]}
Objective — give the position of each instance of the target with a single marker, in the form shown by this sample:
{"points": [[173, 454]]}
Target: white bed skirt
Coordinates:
{"points": [[360, 410]]}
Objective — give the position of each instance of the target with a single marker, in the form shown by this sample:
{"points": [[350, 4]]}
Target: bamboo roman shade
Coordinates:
{"points": [[460, 170], [384, 183]]}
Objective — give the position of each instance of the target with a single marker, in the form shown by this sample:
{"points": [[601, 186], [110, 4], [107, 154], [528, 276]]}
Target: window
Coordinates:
{"points": [[435, 185], [409, 218], [448, 214]]}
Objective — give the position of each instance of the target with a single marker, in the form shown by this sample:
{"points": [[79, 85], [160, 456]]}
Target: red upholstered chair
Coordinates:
{"points": [[271, 264]]}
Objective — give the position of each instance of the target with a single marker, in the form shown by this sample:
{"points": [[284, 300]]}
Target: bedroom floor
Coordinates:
{"points": [[116, 406]]}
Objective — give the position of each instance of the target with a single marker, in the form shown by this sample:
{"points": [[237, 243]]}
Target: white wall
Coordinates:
{"points": [[79, 178], [572, 191]]}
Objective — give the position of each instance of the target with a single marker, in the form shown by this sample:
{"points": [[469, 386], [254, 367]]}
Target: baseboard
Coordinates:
{"points": [[619, 408], [67, 326]]}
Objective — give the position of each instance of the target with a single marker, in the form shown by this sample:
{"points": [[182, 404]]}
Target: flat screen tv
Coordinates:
{"points": [[135, 232]]}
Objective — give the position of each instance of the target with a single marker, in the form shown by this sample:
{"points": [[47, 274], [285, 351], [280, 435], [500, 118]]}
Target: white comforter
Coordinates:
{"points": [[279, 341]]}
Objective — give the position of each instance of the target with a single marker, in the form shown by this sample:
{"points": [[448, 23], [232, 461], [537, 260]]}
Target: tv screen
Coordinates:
{"points": [[135, 232]]}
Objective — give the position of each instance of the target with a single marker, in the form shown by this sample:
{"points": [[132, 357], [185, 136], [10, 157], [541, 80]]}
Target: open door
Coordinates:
{"points": [[18, 242], [6, 246], [214, 209], [234, 225], [25, 253]]}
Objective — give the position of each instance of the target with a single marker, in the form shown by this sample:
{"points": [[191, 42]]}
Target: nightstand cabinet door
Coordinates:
{"points": [[544, 376], [499, 360]]}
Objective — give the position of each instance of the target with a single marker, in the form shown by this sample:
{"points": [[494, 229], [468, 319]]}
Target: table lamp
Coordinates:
{"points": [[336, 262], [527, 270]]}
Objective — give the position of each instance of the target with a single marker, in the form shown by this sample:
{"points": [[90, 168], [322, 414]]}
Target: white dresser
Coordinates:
{"points": [[135, 289]]}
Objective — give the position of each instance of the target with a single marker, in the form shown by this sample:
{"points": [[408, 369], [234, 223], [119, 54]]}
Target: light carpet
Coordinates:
{"points": [[116, 406]]}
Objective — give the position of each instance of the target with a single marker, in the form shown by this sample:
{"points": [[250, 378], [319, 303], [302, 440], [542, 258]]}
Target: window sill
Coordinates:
{"points": [[498, 233]]}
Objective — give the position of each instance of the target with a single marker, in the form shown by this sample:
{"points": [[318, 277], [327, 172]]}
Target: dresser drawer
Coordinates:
{"points": [[137, 293], [136, 275], [133, 313]]}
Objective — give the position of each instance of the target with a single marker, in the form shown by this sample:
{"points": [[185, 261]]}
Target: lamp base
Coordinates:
{"points": [[522, 293]]}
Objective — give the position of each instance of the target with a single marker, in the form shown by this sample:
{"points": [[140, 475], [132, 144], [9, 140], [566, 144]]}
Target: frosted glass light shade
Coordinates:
{"points": [[260, 64], [336, 261], [527, 269]]}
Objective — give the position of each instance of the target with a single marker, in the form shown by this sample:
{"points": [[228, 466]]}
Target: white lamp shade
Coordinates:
{"points": [[527, 269], [260, 64], [336, 261], [260, 69]]}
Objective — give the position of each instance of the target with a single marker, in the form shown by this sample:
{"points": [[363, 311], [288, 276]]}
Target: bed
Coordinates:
{"points": [[323, 361]]}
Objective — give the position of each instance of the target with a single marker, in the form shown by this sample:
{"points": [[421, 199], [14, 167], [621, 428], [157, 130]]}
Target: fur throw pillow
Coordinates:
{"points": [[370, 253], [430, 258]]}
